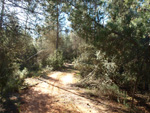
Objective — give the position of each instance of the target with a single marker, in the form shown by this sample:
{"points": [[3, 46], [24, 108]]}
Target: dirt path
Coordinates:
{"points": [[53, 93]]}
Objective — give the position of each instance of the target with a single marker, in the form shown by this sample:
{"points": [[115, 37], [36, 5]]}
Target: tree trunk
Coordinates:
{"points": [[26, 25], [2, 14], [57, 39], [133, 93], [134, 89]]}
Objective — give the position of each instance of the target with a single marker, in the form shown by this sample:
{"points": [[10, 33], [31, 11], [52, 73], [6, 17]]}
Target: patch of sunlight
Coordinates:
{"points": [[44, 85], [55, 75], [67, 79]]}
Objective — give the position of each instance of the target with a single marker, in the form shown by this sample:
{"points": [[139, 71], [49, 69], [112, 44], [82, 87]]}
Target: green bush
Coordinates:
{"points": [[84, 62], [97, 71], [15, 81], [55, 60]]}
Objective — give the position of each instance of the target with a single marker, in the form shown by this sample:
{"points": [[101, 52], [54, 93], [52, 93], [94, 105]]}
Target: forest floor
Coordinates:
{"points": [[55, 93]]}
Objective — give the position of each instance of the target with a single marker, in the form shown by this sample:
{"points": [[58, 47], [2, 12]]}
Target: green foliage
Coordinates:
{"points": [[15, 49], [97, 71], [84, 61], [124, 38], [110, 90], [129, 41], [70, 45], [90, 58], [54, 60], [15, 81]]}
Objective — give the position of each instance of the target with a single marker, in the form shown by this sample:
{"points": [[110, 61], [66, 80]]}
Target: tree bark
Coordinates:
{"points": [[133, 94], [135, 86], [2, 14], [57, 38]]}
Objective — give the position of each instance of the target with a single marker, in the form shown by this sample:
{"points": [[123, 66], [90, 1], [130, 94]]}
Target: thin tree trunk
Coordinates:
{"points": [[57, 39], [26, 23], [133, 94], [1, 23], [135, 86], [2, 14]]}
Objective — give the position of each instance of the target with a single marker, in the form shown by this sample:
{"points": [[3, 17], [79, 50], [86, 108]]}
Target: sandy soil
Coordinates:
{"points": [[54, 93]]}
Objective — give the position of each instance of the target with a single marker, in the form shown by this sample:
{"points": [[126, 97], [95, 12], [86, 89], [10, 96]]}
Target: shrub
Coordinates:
{"points": [[97, 71], [15, 81], [54, 60]]}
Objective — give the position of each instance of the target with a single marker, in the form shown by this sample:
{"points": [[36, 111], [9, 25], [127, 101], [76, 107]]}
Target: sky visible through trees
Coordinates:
{"points": [[34, 19]]}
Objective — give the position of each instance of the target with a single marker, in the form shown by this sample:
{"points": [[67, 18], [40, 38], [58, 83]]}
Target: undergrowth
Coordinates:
{"points": [[97, 72]]}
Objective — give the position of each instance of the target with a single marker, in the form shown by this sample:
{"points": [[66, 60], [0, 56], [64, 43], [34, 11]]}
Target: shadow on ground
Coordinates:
{"points": [[95, 100], [10, 103], [53, 93], [37, 102], [111, 106]]}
